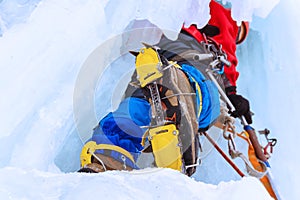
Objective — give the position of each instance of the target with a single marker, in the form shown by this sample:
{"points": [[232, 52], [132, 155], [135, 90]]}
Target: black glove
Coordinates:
{"points": [[241, 105]]}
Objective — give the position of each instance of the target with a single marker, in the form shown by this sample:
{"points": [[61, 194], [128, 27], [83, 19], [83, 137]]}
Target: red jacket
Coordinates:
{"points": [[221, 17]]}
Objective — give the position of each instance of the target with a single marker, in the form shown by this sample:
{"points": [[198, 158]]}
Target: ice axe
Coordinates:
{"points": [[252, 135], [251, 132]]}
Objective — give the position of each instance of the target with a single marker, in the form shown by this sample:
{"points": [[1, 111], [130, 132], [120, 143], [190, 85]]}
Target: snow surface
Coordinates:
{"points": [[55, 87]]}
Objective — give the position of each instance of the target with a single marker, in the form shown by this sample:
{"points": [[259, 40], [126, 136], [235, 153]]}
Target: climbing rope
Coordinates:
{"points": [[234, 153]]}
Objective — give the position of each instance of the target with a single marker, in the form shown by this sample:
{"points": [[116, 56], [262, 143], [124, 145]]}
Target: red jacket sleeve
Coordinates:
{"points": [[221, 17]]}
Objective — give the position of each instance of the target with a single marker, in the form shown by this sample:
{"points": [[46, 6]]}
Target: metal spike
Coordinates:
{"points": [[147, 45], [134, 53]]}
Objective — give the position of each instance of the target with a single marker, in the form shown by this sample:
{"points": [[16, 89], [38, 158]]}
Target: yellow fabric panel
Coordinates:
{"points": [[148, 66], [165, 145]]}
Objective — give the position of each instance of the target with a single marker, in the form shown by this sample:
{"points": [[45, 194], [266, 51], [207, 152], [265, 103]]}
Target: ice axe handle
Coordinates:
{"points": [[254, 141], [222, 93]]}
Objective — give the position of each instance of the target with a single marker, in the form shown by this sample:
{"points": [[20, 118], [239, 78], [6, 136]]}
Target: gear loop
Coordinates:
{"points": [[230, 129]]}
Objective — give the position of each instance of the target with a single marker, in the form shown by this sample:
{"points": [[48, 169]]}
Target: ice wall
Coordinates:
{"points": [[43, 50]]}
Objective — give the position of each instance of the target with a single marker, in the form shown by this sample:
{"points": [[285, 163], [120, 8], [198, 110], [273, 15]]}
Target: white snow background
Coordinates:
{"points": [[47, 89]]}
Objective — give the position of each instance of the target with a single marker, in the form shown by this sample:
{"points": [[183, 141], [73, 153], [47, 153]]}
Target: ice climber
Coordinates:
{"points": [[121, 135]]}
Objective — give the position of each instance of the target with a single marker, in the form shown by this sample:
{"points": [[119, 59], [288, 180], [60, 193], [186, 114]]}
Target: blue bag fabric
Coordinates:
{"points": [[209, 94], [122, 127]]}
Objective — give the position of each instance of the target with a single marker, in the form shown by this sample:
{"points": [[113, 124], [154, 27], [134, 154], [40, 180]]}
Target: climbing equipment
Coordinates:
{"points": [[223, 154], [259, 167], [166, 146], [113, 158], [162, 134]]}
